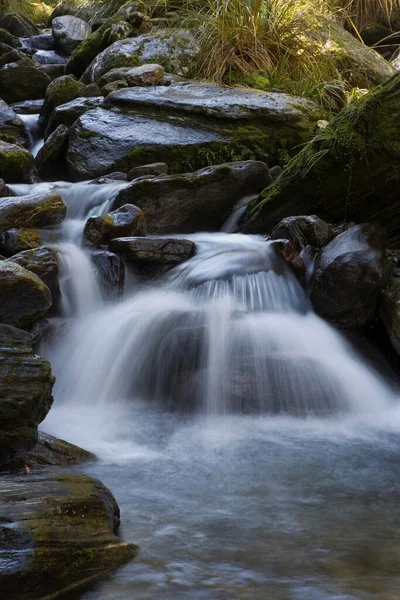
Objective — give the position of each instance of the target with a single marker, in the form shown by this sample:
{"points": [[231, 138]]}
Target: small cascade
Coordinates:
{"points": [[32, 125]]}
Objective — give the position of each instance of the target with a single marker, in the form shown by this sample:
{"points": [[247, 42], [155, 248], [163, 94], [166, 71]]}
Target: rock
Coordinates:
{"points": [[48, 57], [19, 25], [52, 71], [156, 250], [127, 221], [155, 169], [389, 311], [349, 172], [14, 241], [349, 274], [146, 75], [69, 32], [38, 210], [51, 451], [26, 383], [50, 160], [13, 56], [304, 231], [8, 38], [42, 262], [12, 126], [199, 201], [43, 41], [22, 82], [28, 107], [58, 534], [90, 91], [110, 273], [24, 298], [68, 113], [173, 49], [17, 165], [116, 176], [114, 86], [275, 172], [60, 91]]}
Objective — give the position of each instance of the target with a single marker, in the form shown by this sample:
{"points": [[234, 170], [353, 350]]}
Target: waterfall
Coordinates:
{"points": [[32, 125]]}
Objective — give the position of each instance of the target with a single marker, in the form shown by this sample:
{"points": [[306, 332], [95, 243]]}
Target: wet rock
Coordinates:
{"points": [[19, 25], [50, 160], [58, 533], [26, 384], [146, 75], [350, 172], [155, 250], [127, 221], [39, 210], [17, 165], [8, 38], [350, 272], [24, 298], [110, 273], [43, 41], [67, 114], [155, 169], [304, 231], [28, 107], [14, 241], [51, 451], [22, 82], [48, 57], [69, 31], [60, 91], [291, 255], [12, 127], [199, 201], [42, 262], [173, 49]]}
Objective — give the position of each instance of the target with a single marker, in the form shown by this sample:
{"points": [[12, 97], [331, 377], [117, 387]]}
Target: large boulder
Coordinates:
{"points": [[197, 201], [17, 165], [349, 172], [126, 221], [42, 262], [38, 210], [19, 25], [12, 127], [58, 533], [24, 298], [67, 114], [69, 31], [304, 231], [168, 251], [22, 82], [26, 383], [60, 91], [349, 275], [50, 160]]}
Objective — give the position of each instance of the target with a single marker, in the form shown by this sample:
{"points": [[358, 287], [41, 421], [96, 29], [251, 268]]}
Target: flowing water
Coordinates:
{"points": [[253, 452]]}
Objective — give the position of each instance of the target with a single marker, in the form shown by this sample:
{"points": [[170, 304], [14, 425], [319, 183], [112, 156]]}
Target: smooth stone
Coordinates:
{"points": [[304, 231], [4, 190], [155, 169], [199, 201], [50, 160], [69, 31], [17, 164], [127, 221], [23, 82], [42, 262], [38, 210], [26, 384], [155, 250], [12, 126]]}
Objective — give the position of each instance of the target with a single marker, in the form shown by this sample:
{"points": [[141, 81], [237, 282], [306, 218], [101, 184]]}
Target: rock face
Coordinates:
{"points": [[390, 311], [24, 298], [348, 172], [42, 262], [50, 160], [17, 165], [126, 221], [19, 25], [304, 231], [197, 201], [69, 32], [58, 533], [174, 50], [156, 250], [26, 383], [349, 275], [12, 127], [39, 210], [22, 82]]}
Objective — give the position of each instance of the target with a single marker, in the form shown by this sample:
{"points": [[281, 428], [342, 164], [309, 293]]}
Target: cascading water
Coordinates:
{"points": [[32, 125]]}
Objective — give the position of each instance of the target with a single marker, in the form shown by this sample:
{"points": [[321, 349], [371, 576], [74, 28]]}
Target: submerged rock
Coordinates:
{"points": [[17, 164], [12, 127], [196, 201], [159, 250], [69, 31], [22, 82], [304, 231], [58, 533], [24, 298], [349, 275], [39, 210], [126, 221], [26, 383], [42, 262]]}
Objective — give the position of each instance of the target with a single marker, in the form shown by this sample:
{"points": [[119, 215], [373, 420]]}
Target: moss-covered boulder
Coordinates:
{"points": [[24, 298], [8, 38], [17, 165], [42, 262], [26, 384], [50, 160], [350, 171], [126, 221], [22, 82], [199, 201], [60, 91], [58, 533], [12, 127], [173, 49], [19, 25], [38, 210], [14, 241]]}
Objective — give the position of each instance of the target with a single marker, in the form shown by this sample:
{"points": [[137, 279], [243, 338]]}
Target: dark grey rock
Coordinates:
{"points": [[14, 241], [127, 221], [50, 160], [52, 71], [304, 231], [154, 250], [43, 41], [51, 451], [67, 114], [17, 164], [23, 82], [28, 107], [389, 311]]}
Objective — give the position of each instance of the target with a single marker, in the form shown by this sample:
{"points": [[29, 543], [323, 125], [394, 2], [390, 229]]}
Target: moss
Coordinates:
{"points": [[15, 163], [86, 135], [62, 90]]}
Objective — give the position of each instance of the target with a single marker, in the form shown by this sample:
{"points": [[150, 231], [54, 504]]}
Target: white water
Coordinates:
{"points": [[32, 125]]}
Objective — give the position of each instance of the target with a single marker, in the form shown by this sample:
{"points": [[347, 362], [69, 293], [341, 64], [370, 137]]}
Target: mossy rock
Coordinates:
{"points": [[52, 451], [349, 172], [19, 25], [14, 241], [39, 210], [11, 40], [127, 221], [23, 82], [17, 165], [43, 263], [60, 91]]}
